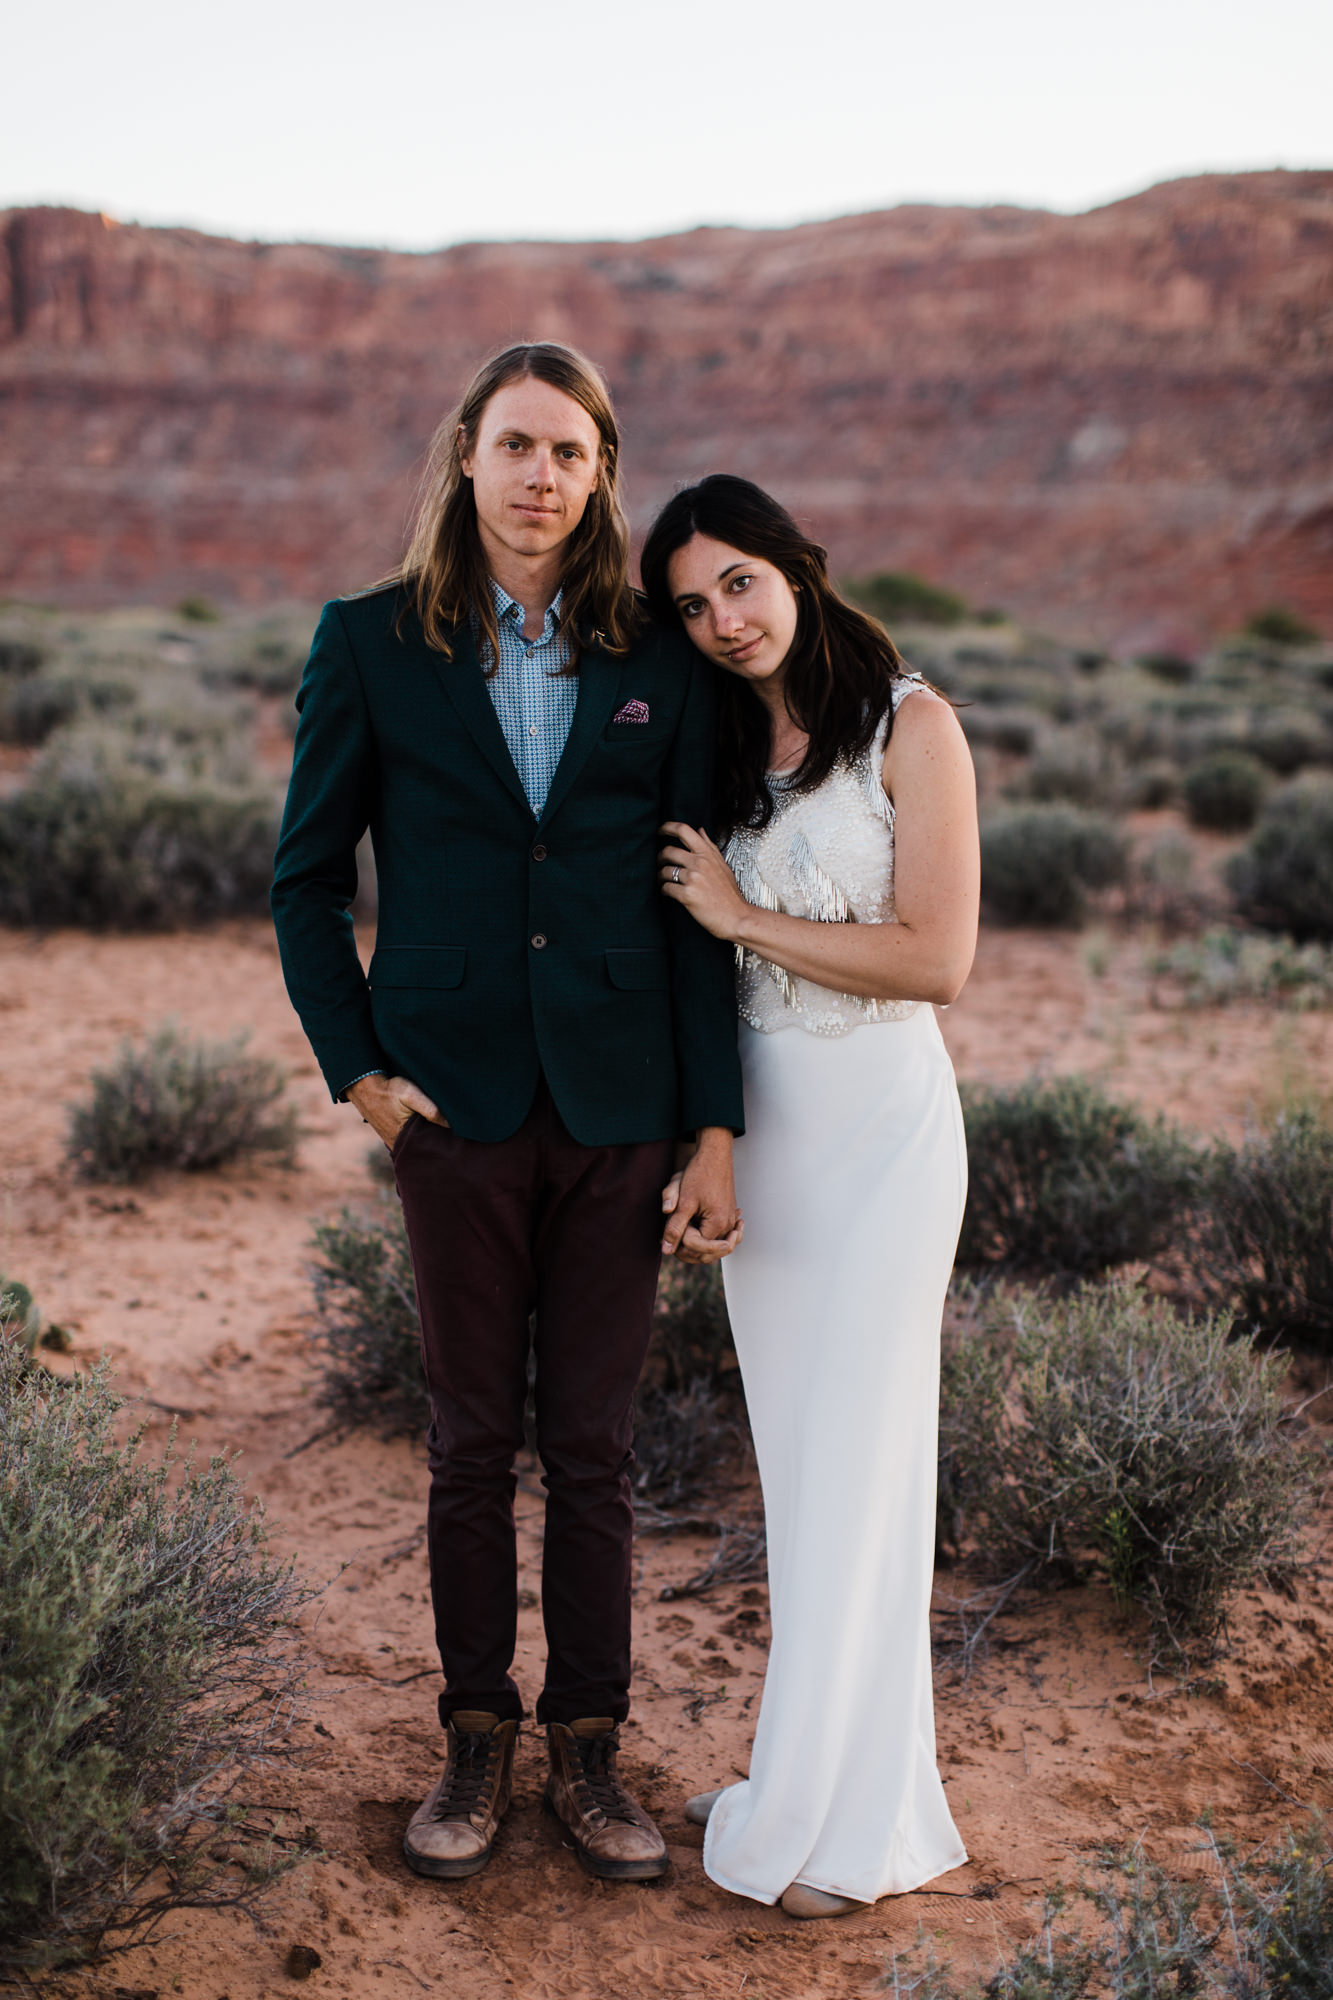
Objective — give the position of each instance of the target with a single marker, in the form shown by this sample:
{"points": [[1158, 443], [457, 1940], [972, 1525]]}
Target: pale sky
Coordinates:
{"points": [[415, 125]]}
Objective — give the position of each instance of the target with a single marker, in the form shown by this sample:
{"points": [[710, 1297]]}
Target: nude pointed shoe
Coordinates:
{"points": [[798, 1901], [698, 1808]]}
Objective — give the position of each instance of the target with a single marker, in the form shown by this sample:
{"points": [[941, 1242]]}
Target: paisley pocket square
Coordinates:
{"points": [[632, 711]]}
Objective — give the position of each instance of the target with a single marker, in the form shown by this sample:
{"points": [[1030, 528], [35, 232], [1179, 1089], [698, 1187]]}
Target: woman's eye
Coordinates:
{"points": [[690, 610], [741, 582]]}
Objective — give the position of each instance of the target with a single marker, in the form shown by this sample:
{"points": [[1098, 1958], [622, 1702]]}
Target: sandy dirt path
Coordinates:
{"points": [[198, 1288]]}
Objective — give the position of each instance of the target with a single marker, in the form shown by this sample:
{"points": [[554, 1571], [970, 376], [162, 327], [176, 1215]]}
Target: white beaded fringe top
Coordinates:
{"points": [[827, 855]]}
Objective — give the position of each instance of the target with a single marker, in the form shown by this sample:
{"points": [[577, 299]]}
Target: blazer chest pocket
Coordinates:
{"points": [[638, 971], [418, 965]]}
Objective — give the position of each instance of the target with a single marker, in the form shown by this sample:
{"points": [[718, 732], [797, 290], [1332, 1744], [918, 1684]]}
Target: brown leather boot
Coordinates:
{"points": [[613, 1837], [452, 1832]]}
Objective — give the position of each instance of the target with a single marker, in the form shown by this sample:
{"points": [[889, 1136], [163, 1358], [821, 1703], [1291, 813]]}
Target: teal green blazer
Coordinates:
{"points": [[508, 947]]}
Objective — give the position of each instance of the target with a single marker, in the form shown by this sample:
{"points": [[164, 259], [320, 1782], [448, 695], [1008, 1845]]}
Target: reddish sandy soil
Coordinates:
{"points": [[198, 1289]]}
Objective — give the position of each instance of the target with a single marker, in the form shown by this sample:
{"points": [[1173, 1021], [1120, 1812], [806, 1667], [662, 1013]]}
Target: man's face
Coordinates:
{"points": [[534, 468]]}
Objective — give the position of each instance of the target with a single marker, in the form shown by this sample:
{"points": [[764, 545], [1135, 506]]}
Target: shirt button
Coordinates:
{"points": [[539, 852], [538, 942], [532, 729], [529, 653]]}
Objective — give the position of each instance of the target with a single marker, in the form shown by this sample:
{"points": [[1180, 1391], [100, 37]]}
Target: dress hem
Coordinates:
{"points": [[834, 1889]]}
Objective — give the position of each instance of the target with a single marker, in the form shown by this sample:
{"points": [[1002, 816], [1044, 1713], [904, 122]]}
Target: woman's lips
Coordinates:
{"points": [[739, 654]]}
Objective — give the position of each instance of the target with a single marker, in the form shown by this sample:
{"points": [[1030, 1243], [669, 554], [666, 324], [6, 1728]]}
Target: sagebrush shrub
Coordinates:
{"points": [[1228, 964], [1140, 1445], [367, 1325], [113, 846], [180, 1104], [1281, 626], [1283, 878], [1064, 1179], [30, 710], [1265, 1248], [1288, 739], [1174, 668], [899, 597], [1223, 792], [147, 1668], [1254, 1927], [1038, 863]]}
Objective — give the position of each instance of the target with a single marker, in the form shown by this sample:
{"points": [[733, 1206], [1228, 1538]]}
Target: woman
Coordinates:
{"points": [[849, 887]]}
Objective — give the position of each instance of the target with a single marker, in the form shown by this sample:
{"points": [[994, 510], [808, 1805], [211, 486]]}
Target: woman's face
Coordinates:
{"points": [[739, 610]]}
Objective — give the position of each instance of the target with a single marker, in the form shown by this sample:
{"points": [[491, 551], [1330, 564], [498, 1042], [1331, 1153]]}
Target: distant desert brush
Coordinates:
{"points": [[181, 1104], [147, 1669]]}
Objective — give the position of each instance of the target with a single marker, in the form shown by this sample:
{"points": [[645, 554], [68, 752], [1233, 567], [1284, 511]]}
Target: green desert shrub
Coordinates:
{"points": [[1283, 878], [1266, 1246], [1038, 863], [1013, 731], [31, 710], [366, 1321], [1064, 1179], [1227, 964], [181, 1104], [113, 846], [1223, 792], [1141, 1446], [1070, 765], [1174, 668], [147, 1672], [1281, 626], [1257, 1926], [898, 597], [1286, 740], [19, 657], [198, 610]]}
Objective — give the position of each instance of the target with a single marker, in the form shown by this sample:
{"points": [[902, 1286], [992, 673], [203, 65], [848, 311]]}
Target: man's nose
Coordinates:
{"points": [[541, 470]]}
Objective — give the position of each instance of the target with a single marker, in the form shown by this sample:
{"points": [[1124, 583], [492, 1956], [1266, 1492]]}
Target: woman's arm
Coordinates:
{"points": [[927, 954]]}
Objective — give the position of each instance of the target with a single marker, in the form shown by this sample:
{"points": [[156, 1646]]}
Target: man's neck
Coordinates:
{"points": [[532, 581]]}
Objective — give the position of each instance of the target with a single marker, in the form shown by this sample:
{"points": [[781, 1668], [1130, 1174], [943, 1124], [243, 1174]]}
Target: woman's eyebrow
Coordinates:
{"points": [[721, 577]]}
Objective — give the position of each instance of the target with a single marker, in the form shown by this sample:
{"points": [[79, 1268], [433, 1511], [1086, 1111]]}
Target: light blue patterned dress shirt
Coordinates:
{"points": [[533, 699]]}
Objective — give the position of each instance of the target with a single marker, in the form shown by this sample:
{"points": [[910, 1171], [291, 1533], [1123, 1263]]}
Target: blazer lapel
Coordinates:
{"points": [[463, 682], [599, 681]]}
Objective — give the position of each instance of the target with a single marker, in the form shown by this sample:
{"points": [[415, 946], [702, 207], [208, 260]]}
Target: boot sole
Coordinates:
{"points": [[440, 1870], [609, 1871]]}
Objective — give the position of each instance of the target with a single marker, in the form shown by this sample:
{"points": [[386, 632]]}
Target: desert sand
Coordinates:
{"points": [[198, 1289]]}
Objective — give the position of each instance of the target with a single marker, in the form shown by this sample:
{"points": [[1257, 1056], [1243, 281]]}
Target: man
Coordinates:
{"points": [[538, 1029]]}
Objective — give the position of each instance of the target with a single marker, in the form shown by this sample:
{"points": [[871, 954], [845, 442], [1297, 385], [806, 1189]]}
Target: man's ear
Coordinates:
{"points": [[464, 455]]}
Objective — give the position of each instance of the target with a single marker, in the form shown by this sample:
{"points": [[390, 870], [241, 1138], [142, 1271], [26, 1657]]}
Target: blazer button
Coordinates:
{"points": [[539, 852], [538, 942]]}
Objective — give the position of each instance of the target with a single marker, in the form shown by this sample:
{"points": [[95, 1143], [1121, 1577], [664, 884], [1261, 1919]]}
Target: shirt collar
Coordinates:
{"points": [[507, 607]]}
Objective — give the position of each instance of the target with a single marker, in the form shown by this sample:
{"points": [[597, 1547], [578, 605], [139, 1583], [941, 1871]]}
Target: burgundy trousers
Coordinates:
{"points": [[535, 1224]]}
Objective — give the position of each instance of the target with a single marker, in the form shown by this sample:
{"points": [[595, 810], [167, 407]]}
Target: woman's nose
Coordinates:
{"points": [[727, 620]]}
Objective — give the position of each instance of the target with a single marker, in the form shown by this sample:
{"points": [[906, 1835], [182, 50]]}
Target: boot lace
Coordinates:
{"points": [[597, 1759], [466, 1774]]}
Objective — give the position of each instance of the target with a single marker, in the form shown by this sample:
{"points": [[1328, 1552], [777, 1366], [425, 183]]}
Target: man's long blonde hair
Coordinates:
{"points": [[444, 570]]}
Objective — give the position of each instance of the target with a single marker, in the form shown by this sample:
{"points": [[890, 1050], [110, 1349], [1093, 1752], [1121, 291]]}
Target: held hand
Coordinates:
{"points": [[705, 1224], [387, 1102], [693, 872]]}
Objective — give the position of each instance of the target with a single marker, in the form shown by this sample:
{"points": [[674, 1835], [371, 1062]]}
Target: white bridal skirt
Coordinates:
{"points": [[851, 1176]]}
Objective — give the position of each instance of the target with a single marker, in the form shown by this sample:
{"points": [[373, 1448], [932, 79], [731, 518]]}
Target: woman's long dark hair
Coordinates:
{"points": [[841, 667]]}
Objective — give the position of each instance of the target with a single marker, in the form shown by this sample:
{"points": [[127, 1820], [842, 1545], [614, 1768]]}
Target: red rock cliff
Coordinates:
{"points": [[1121, 422]]}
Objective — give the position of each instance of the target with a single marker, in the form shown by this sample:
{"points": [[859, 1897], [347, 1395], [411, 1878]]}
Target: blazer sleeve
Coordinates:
{"points": [[703, 968], [329, 804]]}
